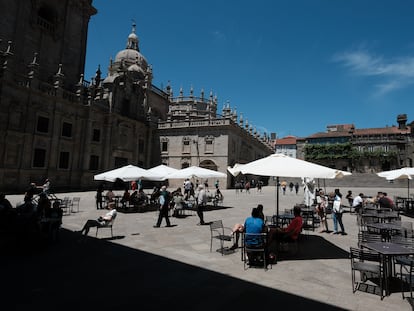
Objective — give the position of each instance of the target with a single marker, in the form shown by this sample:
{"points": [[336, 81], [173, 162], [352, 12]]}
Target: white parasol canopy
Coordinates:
{"points": [[160, 172], [195, 172], [125, 173], [402, 173], [235, 170], [280, 165]]}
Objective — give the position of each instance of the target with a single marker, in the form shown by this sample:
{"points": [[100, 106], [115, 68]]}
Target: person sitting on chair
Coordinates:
{"points": [[288, 234], [253, 226], [101, 221], [239, 228], [125, 198]]}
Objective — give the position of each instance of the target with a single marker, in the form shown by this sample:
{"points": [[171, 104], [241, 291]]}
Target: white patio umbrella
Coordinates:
{"points": [[280, 165], [160, 172], [402, 173], [195, 172], [125, 173], [235, 170]]}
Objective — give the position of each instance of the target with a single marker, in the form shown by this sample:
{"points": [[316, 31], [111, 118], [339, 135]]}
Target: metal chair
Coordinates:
{"points": [[108, 224], [370, 266], [217, 232], [367, 237], [75, 203], [65, 205], [406, 273], [254, 249]]}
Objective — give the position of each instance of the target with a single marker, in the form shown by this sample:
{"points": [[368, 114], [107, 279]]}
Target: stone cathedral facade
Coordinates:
{"points": [[54, 124]]}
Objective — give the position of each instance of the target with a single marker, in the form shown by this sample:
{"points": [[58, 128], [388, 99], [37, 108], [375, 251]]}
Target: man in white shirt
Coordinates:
{"points": [[201, 203], [358, 202], [101, 221]]}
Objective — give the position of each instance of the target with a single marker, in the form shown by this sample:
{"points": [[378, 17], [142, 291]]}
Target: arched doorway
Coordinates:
{"points": [[209, 165]]}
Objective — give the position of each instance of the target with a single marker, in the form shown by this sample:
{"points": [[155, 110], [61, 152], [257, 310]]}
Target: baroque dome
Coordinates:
{"points": [[130, 57]]}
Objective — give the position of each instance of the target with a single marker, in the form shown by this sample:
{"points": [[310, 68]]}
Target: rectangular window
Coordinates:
{"points": [[164, 146], [64, 160], [209, 146], [94, 162], [96, 135], [39, 157], [186, 146], [42, 124], [141, 145], [66, 129]]}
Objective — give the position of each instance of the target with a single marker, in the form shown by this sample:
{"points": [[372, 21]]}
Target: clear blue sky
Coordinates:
{"points": [[290, 67]]}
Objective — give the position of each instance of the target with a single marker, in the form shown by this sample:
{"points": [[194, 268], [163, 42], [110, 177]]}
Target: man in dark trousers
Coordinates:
{"points": [[164, 201]]}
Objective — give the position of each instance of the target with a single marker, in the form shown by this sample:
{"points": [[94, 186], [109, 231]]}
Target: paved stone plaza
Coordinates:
{"points": [[156, 268]]}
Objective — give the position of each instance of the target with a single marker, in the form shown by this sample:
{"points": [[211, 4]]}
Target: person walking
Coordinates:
{"points": [[164, 201], [296, 187], [338, 211], [99, 192], [201, 203]]}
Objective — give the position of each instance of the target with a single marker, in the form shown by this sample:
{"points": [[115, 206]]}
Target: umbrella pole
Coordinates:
{"points": [[408, 188], [277, 198]]}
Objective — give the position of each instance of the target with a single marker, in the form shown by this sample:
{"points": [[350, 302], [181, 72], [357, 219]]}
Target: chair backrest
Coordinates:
{"points": [[269, 220], [76, 200], [110, 223], [216, 224], [398, 239], [364, 255], [366, 237], [254, 240]]}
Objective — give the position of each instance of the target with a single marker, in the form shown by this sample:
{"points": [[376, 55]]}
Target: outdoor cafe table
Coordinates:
{"points": [[386, 228], [388, 250], [284, 219], [383, 217], [406, 204], [117, 200]]}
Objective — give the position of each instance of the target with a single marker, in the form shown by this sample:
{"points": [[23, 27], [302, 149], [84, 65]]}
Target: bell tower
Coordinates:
{"points": [[55, 30]]}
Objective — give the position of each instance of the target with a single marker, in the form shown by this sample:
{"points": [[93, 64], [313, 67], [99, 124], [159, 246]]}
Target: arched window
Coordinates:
{"points": [[209, 165]]}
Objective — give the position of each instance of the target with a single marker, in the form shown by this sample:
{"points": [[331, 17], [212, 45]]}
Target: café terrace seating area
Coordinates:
{"points": [[371, 266]]}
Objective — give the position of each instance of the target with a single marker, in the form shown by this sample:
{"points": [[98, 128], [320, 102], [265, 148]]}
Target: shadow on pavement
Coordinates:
{"points": [[76, 274], [313, 247]]}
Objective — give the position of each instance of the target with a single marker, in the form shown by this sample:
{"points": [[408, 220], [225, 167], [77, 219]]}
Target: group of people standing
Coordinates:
{"points": [[176, 200], [330, 204], [291, 186]]}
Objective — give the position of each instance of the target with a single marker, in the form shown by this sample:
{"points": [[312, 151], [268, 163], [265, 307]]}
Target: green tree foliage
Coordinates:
{"points": [[315, 152]]}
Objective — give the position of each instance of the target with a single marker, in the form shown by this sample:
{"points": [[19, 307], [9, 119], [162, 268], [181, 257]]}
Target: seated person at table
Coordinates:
{"points": [[110, 197], [43, 205], [125, 197], [102, 220], [256, 219], [358, 203], [384, 201], [254, 225], [218, 196], [260, 211], [142, 196], [154, 195], [288, 234]]}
